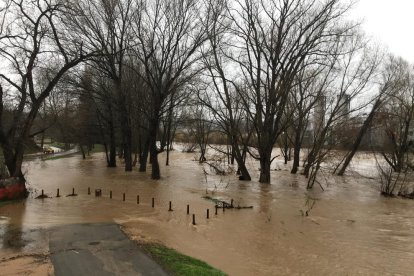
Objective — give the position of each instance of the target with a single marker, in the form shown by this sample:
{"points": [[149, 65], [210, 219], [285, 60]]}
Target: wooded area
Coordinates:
{"points": [[134, 75]]}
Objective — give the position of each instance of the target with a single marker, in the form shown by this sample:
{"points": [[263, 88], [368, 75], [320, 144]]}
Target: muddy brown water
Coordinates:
{"points": [[350, 230]]}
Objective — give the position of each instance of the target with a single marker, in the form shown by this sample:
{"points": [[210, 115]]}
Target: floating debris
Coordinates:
{"points": [[224, 204]]}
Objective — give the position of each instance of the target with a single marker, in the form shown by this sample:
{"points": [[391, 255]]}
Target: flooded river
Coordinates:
{"points": [[350, 229]]}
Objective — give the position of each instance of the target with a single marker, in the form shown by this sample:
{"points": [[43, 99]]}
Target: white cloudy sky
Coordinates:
{"points": [[390, 22]]}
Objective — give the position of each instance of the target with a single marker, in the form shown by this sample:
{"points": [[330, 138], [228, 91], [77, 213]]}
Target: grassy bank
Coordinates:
{"points": [[179, 264], [6, 202]]}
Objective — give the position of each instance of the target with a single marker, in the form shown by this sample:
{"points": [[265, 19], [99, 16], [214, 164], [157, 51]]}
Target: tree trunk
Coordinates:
{"points": [[232, 155], [170, 114], [42, 140], [14, 161], [309, 162], [127, 152], [14, 165], [265, 163], [143, 158], [358, 140], [202, 155], [240, 159], [296, 152], [244, 172], [286, 148], [106, 153], [134, 163], [125, 128], [83, 151], [112, 147], [112, 156], [296, 159], [167, 160], [312, 176], [155, 174]]}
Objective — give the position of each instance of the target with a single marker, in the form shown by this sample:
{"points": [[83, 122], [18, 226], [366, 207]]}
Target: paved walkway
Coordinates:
{"points": [[97, 249]]}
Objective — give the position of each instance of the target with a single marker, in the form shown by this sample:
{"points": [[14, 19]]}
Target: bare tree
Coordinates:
{"points": [[353, 71], [388, 86], [274, 42], [221, 96], [397, 118], [34, 41], [169, 34], [307, 104], [106, 27]]}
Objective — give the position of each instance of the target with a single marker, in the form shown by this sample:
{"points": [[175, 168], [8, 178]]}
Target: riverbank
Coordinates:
{"points": [[179, 264], [6, 202]]}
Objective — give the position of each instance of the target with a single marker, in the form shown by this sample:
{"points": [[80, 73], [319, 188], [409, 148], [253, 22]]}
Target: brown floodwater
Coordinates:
{"points": [[351, 229]]}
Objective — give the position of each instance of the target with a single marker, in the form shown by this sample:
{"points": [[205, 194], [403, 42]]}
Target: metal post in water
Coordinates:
{"points": [[231, 204], [123, 197], [57, 193], [216, 209], [153, 202], [188, 209], [89, 190], [110, 194], [170, 208], [208, 213], [73, 191], [137, 199], [194, 219], [42, 193]]}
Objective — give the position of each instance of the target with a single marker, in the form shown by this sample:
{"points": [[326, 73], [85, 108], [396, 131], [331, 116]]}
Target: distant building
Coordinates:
{"points": [[344, 106], [319, 113]]}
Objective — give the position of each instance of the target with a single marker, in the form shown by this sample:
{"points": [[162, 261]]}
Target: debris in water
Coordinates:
{"points": [[223, 204]]}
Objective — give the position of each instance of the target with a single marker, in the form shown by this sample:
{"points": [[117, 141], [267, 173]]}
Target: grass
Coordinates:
{"points": [[6, 202], [179, 264]]}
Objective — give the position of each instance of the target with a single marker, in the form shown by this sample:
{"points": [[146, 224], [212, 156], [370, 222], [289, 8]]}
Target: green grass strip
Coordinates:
{"points": [[6, 202], [179, 264]]}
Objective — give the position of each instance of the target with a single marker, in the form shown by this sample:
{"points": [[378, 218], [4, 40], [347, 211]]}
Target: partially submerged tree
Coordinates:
{"points": [[169, 34], [34, 41], [389, 84], [274, 42], [354, 66], [397, 118], [222, 96], [105, 26]]}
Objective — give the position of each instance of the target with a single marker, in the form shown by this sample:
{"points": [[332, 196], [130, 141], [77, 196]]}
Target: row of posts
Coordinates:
{"points": [[98, 192]]}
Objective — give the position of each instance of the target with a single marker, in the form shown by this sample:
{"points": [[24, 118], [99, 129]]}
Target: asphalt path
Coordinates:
{"points": [[97, 249]]}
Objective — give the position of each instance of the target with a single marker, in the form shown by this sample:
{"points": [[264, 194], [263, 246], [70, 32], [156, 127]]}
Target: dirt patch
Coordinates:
{"points": [[36, 264]]}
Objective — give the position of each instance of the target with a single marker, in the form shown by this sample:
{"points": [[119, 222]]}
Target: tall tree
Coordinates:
{"points": [[34, 40], [274, 42], [397, 118], [106, 27], [354, 67], [169, 34]]}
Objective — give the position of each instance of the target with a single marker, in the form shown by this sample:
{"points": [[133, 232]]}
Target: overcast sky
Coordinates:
{"points": [[390, 22]]}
